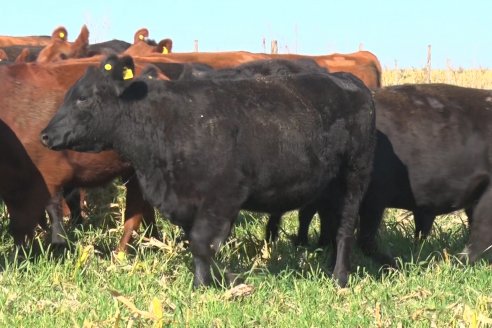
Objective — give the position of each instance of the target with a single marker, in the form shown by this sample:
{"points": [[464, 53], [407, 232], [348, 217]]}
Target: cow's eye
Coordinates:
{"points": [[81, 99]]}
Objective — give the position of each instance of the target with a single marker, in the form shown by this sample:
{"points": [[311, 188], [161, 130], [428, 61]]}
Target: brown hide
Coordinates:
{"points": [[31, 174], [362, 64], [59, 49], [58, 33], [140, 35]]}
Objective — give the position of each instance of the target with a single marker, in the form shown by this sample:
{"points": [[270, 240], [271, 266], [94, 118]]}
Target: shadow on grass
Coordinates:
{"points": [[247, 251]]}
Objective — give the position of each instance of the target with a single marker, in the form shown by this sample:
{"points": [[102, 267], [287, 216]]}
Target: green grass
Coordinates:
{"points": [[285, 286]]}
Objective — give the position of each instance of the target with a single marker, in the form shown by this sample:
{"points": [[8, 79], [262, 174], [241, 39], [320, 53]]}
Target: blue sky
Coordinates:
{"points": [[396, 31]]}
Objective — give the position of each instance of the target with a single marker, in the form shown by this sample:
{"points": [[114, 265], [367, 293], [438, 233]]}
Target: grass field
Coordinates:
{"points": [[285, 286]]}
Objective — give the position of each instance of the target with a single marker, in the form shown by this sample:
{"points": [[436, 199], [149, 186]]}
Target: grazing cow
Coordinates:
{"points": [[204, 149], [432, 157], [31, 174]]}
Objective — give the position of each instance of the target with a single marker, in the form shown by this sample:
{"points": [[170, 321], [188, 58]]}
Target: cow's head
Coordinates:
{"points": [[59, 48], [92, 106]]}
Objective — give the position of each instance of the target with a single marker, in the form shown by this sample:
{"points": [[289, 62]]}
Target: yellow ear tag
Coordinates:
{"points": [[61, 35], [108, 67], [165, 51], [127, 73], [141, 37]]}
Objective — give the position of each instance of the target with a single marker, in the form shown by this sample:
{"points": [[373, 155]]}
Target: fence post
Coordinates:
{"points": [[195, 46], [428, 66], [274, 47]]}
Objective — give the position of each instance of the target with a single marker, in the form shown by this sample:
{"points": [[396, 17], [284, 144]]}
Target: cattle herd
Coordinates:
{"points": [[201, 136]]}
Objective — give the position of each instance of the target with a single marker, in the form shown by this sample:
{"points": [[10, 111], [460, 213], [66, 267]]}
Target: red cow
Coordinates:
{"points": [[362, 64], [59, 49], [142, 46], [31, 175], [59, 33]]}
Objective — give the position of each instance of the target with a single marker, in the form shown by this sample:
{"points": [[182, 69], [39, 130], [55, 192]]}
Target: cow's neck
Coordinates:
{"points": [[131, 139]]}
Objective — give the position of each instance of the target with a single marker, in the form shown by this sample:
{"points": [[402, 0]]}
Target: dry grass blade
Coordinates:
{"points": [[238, 291], [130, 306]]}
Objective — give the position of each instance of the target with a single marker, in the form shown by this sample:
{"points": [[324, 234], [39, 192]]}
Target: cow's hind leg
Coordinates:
{"points": [[423, 223], [306, 214], [136, 210], [25, 213], [480, 241], [371, 217], [55, 211], [271, 232], [351, 191], [73, 199], [469, 214]]}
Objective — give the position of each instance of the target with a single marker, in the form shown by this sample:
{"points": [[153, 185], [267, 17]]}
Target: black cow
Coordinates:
{"points": [[432, 157], [107, 47], [14, 51], [260, 68], [204, 149]]}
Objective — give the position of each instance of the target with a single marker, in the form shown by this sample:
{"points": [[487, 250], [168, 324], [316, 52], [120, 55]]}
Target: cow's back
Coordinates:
{"points": [[266, 134], [440, 133]]}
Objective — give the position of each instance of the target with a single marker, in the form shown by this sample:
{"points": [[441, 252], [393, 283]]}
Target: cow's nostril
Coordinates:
{"points": [[44, 139]]}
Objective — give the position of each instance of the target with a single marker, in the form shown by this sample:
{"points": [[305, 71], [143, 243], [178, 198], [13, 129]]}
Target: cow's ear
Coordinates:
{"points": [[133, 91], [118, 69]]}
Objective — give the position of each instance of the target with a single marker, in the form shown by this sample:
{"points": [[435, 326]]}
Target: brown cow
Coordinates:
{"points": [[150, 48], [142, 46], [31, 175], [59, 33], [362, 64], [60, 49]]}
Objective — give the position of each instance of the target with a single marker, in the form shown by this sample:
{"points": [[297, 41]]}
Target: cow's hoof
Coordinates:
{"points": [[341, 279]]}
